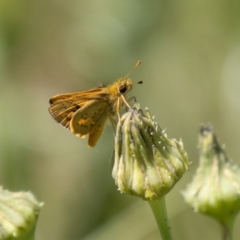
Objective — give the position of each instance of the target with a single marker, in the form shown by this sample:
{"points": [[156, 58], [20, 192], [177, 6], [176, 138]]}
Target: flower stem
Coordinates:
{"points": [[160, 213], [227, 227]]}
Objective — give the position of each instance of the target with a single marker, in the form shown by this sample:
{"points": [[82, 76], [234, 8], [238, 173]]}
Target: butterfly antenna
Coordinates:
{"points": [[137, 64]]}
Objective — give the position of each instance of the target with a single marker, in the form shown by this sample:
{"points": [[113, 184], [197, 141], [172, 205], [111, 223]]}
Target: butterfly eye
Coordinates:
{"points": [[122, 89]]}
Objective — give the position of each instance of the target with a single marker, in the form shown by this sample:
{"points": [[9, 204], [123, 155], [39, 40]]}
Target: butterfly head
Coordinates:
{"points": [[125, 85]]}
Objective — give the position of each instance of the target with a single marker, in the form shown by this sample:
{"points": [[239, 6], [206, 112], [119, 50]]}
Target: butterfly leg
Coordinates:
{"points": [[124, 100], [133, 98], [113, 122], [118, 108]]}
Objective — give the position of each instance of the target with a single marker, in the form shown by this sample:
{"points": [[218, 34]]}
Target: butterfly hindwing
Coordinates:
{"points": [[89, 118]]}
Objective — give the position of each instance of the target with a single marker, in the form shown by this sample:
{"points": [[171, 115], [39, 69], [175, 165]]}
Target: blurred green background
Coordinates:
{"points": [[190, 52]]}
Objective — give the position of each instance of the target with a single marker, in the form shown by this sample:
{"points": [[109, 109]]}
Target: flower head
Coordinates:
{"points": [[215, 189], [18, 215], [146, 163]]}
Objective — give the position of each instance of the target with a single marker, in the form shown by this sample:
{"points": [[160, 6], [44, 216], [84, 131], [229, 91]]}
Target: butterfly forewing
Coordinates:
{"points": [[63, 111], [63, 106]]}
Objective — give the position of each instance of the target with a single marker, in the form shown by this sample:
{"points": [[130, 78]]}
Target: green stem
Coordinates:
{"points": [[160, 213], [227, 228]]}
